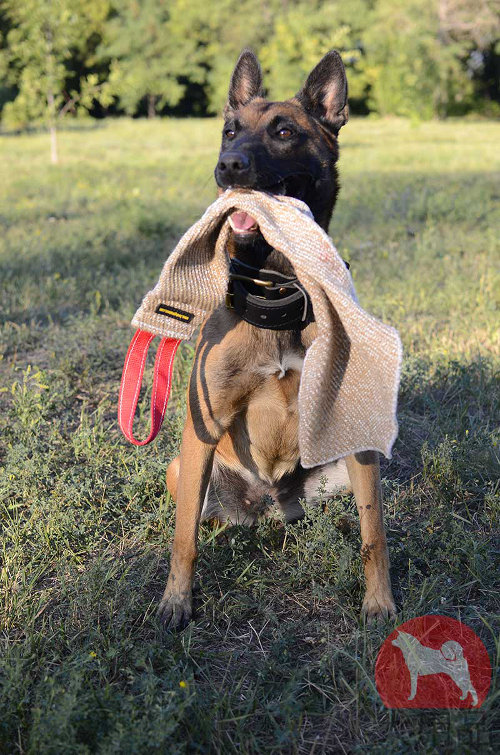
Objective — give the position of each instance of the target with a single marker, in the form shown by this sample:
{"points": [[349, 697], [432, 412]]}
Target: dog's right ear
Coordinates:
{"points": [[246, 81]]}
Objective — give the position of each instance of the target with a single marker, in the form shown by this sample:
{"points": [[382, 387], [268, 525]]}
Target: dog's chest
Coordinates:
{"points": [[271, 416], [280, 364]]}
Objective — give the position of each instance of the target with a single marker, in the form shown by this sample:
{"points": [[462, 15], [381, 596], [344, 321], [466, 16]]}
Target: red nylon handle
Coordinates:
{"points": [[133, 371]]}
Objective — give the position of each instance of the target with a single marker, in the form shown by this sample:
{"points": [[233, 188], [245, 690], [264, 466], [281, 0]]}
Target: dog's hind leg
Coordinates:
{"points": [[466, 688], [364, 473]]}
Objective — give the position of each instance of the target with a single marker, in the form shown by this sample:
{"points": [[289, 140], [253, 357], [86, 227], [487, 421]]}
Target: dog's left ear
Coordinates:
{"points": [[324, 94]]}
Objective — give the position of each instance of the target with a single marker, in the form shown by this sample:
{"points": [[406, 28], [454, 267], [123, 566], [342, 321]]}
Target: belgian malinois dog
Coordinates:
{"points": [[239, 452]]}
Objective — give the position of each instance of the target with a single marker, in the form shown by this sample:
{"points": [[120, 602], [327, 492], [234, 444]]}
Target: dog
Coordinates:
{"points": [[422, 661], [239, 451]]}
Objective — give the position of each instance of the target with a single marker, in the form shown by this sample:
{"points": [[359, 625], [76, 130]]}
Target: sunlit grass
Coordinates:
{"points": [[277, 657]]}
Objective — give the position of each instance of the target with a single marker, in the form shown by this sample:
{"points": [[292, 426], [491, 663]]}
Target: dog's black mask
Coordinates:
{"points": [[282, 147]]}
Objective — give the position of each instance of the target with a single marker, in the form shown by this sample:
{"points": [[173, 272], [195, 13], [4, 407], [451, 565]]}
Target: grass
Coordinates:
{"points": [[277, 660]]}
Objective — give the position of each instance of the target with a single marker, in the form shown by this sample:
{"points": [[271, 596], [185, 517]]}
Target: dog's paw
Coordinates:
{"points": [[378, 608], [175, 612]]}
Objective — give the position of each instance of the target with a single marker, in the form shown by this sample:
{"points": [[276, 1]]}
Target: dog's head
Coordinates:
{"points": [[404, 640], [285, 147]]}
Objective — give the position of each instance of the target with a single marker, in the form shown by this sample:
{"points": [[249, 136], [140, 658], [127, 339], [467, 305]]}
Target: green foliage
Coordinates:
{"points": [[218, 34], [408, 68], [277, 660], [289, 38], [306, 31], [147, 59], [41, 45], [420, 58]]}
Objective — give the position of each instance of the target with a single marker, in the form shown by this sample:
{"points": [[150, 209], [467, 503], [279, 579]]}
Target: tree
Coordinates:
{"points": [[229, 32], [474, 26], [476, 22], [422, 58], [157, 49], [40, 48], [289, 37], [306, 31], [147, 60], [418, 54]]}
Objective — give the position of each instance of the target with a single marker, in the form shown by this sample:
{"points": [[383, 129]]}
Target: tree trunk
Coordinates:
{"points": [[52, 128], [51, 100], [151, 105]]}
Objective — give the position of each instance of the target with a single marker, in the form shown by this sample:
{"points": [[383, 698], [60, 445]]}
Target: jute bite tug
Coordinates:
{"points": [[292, 380]]}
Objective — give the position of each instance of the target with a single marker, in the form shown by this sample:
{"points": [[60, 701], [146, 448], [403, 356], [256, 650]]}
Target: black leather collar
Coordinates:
{"points": [[267, 299]]}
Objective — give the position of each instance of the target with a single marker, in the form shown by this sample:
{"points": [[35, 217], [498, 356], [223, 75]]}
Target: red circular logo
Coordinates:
{"points": [[433, 662]]}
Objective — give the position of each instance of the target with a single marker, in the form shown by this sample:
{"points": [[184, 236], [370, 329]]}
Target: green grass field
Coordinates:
{"points": [[277, 661]]}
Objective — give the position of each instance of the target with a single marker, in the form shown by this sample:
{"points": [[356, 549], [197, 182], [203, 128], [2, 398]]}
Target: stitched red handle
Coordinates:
{"points": [[130, 386]]}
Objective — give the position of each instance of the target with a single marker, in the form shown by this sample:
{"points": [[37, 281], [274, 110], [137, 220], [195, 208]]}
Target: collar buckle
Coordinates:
{"points": [[257, 281]]}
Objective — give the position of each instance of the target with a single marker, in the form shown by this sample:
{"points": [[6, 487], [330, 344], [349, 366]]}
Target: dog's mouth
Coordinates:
{"points": [[244, 225]]}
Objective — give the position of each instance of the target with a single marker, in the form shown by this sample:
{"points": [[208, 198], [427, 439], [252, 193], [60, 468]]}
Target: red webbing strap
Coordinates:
{"points": [[130, 386]]}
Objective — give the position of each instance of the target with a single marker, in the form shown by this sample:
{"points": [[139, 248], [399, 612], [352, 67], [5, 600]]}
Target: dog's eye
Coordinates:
{"points": [[284, 133], [229, 133]]}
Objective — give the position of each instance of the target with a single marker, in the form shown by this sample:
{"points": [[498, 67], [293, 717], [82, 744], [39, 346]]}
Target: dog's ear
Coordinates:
{"points": [[324, 94], [246, 81]]}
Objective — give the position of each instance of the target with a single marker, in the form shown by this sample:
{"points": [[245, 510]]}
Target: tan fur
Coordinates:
{"points": [[242, 417], [249, 423]]}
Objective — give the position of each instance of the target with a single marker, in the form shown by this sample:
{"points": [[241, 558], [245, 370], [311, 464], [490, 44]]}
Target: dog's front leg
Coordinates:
{"points": [[364, 473], [196, 459], [413, 682]]}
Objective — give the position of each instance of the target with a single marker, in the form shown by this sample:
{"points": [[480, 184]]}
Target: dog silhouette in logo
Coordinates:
{"points": [[422, 661]]}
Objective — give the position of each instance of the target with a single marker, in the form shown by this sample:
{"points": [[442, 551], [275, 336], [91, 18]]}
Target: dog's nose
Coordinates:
{"points": [[236, 162], [232, 167]]}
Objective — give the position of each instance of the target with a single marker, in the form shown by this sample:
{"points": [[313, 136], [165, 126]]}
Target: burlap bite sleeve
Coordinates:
{"points": [[350, 378]]}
